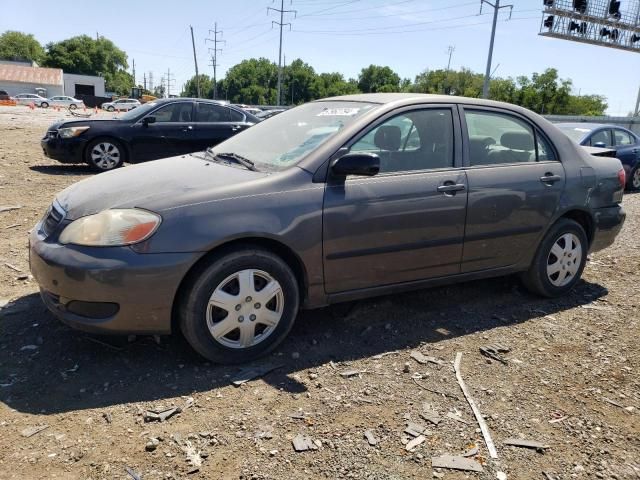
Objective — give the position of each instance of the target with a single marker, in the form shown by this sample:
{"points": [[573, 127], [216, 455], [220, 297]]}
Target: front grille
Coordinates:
{"points": [[52, 219]]}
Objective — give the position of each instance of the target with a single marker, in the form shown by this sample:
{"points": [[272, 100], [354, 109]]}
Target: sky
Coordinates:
{"points": [[410, 36]]}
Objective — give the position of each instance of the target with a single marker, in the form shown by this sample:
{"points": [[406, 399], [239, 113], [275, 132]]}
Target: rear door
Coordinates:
{"points": [[215, 123], [171, 134], [407, 222], [515, 184], [627, 147]]}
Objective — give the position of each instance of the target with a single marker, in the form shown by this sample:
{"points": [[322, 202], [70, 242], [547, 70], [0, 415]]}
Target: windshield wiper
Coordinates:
{"points": [[245, 162]]}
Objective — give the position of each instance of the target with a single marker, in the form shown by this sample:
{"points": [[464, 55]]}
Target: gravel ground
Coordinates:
{"points": [[570, 381]]}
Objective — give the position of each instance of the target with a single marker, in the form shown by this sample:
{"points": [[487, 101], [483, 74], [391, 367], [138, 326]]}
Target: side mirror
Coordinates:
{"points": [[365, 164], [600, 145], [147, 120]]}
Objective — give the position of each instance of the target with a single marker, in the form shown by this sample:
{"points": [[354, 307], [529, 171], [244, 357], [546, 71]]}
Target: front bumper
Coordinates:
{"points": [[608, 223], [108, 289], [65, 150]]}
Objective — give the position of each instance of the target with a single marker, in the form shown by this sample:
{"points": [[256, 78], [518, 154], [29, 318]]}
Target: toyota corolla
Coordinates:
{"points": [[338, 199]]}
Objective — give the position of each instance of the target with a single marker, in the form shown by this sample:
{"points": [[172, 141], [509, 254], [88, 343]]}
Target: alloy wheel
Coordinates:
{"points": [[635, 179], [564, 259], [245, 309], [105, 155]]}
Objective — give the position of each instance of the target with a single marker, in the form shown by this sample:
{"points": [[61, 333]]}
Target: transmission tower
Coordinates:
{"points": [[281, 24], [214, 55]]}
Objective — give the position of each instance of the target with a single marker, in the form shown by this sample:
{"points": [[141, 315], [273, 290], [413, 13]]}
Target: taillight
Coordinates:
{"points": [[622, 178]]}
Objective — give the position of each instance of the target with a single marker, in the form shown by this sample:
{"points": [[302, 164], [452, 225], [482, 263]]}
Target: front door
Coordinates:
{"points": [[515, 184], [407, 222], [171, 134], [215, 123]]}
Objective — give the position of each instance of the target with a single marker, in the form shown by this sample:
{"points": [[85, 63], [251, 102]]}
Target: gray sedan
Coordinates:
{"points": [[338, 199]]}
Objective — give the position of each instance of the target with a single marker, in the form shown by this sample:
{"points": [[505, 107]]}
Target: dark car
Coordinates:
{"points": [[264, 114], [338, 199], [157, 129], [623, 141], [4, 95]]}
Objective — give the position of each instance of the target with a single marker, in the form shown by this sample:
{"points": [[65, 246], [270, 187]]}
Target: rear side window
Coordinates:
{"points": [[174, 112], [497, 138], [623, 138], [236, 116], [209, 112]]}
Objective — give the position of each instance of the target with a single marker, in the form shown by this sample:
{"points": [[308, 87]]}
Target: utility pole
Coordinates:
{"points": [[450, 50], [496, 8], [151, 81], [144, 78], [134, 72], [195, 61], [169, 82], [214, 57], [637, 111], [281, 23]]}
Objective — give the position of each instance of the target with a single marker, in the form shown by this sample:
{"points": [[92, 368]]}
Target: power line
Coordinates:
{"points": [[214, 57], [496, 8], [281, 23]]}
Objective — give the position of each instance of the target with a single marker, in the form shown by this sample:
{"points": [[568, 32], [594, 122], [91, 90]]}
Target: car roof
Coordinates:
{"points": [[588, 125]]}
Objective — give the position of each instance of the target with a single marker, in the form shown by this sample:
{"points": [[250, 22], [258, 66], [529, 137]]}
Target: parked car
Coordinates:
{"points": [[154, 130], [4, 95], [384, 193], [123, 105], [30, 98], [63, 101], [264, 114], [623, 141]]}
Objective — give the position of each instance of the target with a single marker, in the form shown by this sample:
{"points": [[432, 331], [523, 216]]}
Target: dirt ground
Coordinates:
{"points": [[570, 382]]}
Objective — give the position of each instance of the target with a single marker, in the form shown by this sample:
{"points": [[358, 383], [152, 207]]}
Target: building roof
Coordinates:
{"points": [[34, 75]]}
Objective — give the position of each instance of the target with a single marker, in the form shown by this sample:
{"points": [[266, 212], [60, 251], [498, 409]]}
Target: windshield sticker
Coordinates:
{"points": [[339, 112]]}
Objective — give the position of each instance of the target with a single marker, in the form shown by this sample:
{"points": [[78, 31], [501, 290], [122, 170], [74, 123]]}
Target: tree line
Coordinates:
{"points": [[254, 81]]}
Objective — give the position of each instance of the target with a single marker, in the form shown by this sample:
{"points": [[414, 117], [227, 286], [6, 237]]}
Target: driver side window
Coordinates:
{"points": [[415, 140], [174, 112]]}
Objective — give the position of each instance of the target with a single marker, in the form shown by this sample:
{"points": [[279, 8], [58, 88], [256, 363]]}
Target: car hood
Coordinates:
{"points": [[84, 123], [156, 186]]}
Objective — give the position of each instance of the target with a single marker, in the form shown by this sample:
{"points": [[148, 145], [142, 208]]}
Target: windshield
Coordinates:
{"points": [[291, 135], [576, 134], [139, 111]]}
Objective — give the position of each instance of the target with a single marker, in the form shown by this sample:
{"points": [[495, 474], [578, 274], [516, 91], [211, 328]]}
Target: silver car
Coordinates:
{"points": [[30, 98], [121, 105], [63, 101]]}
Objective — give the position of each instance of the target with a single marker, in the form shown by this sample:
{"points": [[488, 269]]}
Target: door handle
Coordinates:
{"points": [[550, 178], [450, 187], [235, 128], [188, 128]]}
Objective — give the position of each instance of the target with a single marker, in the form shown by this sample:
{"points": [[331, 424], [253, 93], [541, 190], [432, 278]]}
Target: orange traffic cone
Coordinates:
{"points": [[96, 110]]}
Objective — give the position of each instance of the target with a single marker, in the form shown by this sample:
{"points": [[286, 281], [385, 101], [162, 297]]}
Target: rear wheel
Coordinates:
{"points": [[240, 306], [559, 261], [110, 108], [44, 105], [634, 179], [73, 106], [104, 154]]}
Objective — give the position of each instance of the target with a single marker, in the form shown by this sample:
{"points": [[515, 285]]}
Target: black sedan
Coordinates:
{"points": [[623, 141], [159, 129]]}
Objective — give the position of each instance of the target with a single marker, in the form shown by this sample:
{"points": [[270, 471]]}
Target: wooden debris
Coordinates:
{"points": [[193, 456], [302, 443], [373, 441], [8, 208], [12, 267], [415, 442], [483, 425], [132, 474], [31, 431], [456, 463], [521, 442], [495, 352], [161, 416], [12, 226], [424, 359], [247, 374], [431, 416], [415, 429]]}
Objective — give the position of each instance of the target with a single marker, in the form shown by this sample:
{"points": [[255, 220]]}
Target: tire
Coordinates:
{"points": [[110, 109], [222, 320], [563, 251], [104, 154], [633, 183], [73, 106], [44, 105]]}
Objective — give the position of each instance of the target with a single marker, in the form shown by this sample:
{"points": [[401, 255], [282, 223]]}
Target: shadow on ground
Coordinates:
{"points": [[50, 368], [74, 169]]}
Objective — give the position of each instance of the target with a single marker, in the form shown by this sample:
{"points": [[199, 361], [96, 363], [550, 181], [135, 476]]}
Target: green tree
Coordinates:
{"points": [[591, 105], [299, 80], [251, 81], [375, 78], [88, 56], [331, 85], [191, 87], [20, 46]]}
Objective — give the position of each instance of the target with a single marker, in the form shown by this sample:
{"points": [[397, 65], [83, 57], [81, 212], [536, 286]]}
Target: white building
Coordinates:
{"points": [[83, 85]]}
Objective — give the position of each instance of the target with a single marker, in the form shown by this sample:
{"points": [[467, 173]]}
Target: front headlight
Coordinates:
{"points": [[71, 131], [111, 228]]}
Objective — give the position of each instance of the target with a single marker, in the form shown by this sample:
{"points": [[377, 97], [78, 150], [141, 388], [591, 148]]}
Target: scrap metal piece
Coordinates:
{"points": [[161, 416], [456, 463], [31, 431], [302, 443], [424, 359], [415, 429], [247, 374], [521, 442]]}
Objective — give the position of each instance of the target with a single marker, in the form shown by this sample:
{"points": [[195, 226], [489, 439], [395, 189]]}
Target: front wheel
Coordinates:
{"points": [[44, 105], [110, 109], [559, 261], [104, 154], [240, 306], [73, 106], [634, 179]]}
